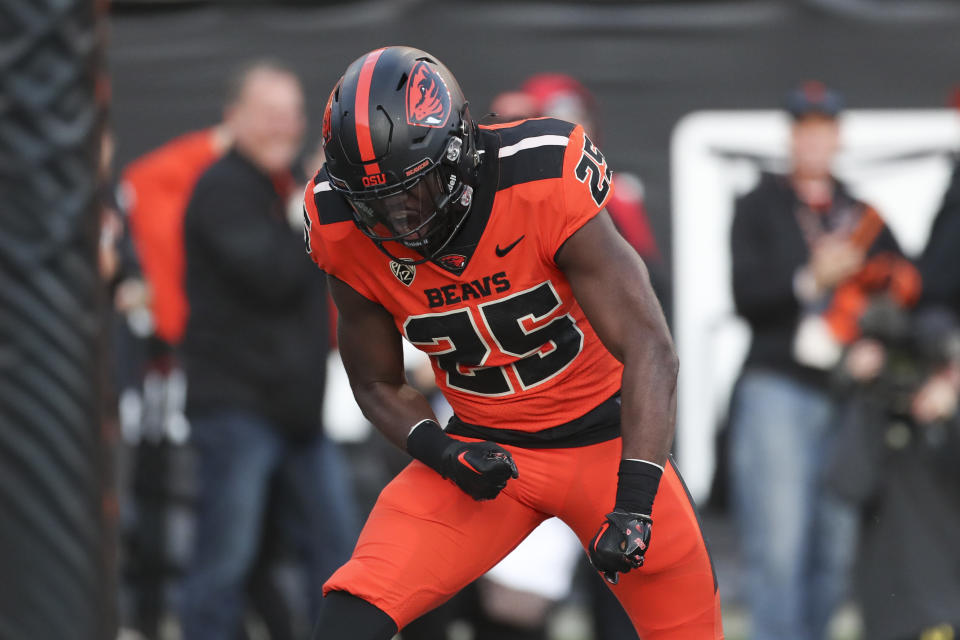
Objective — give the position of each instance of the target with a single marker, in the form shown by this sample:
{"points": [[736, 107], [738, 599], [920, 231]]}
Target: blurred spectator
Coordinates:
{"points": [[127, 297], [896, 461], [255, 349], [560, 96], [940, 262], [127, 294], [119, 268], [156, 188], [513, 105], [796, 240], [117, 260], [898, 452]]}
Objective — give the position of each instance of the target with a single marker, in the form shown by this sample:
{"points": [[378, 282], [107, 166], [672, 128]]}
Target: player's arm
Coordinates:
{"points": [[373, 358], [611, 284]]}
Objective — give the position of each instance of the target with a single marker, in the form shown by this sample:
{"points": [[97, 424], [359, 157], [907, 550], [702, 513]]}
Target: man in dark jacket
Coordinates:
{"points": [[796, 239], [255, 350], [907, 481], [940, 262]]}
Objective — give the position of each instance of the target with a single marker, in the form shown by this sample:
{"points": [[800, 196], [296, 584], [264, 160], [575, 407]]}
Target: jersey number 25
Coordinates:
{"points": [[593, 165], [460, 350]]}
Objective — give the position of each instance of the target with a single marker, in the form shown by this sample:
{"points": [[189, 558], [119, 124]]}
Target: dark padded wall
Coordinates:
{"points": [[52, 561]]}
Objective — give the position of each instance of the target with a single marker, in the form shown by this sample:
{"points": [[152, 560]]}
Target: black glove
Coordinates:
{"points": [[480, 469], [622, 540], [620, 543]]}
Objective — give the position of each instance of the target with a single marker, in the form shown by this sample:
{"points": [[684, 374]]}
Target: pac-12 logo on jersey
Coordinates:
{"points": [[405, 272], [428, 99]]}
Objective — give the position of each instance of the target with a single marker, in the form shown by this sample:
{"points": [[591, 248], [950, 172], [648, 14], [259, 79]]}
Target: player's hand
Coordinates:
{"points": [[481, 469], [620, 544]]}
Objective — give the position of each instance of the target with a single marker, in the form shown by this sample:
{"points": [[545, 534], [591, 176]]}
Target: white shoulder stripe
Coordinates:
{"points": [[535, 141], [322, 186]]}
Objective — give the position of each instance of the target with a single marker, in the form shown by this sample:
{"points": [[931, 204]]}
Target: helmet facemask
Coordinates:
{"points": [[424, 212], [413, 214]]}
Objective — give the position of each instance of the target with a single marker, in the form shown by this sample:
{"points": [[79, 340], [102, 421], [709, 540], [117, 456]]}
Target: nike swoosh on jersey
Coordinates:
{"points": [[502, 252]]}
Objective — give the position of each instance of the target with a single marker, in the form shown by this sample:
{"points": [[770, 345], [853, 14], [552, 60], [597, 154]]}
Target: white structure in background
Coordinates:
{"points": [[896, 160], [342, 419]]}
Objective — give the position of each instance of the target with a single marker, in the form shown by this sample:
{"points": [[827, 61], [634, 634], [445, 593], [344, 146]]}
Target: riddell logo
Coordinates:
{"points": [[374, 180], [423, 164], [428, 100]]}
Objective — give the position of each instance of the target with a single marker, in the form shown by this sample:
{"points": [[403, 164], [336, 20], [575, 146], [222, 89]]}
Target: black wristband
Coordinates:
{"points": [[427, 442], [637, 486]]}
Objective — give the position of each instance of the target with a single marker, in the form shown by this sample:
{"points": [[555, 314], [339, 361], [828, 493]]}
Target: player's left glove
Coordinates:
{"points": [[622, 540], [620, 543]]}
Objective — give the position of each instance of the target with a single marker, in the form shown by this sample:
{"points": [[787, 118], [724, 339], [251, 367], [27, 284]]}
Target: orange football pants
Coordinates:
{"points": [[425, 540]]}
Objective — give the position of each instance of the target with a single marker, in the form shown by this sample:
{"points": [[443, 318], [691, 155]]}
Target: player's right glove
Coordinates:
{"points": [[480, 469]]}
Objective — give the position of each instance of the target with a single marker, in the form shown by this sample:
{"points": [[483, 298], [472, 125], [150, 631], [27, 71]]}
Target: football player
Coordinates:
{"points": [[488, 247]]}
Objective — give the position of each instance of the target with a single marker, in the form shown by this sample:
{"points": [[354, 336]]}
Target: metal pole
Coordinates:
{"points": [[53, 575]]}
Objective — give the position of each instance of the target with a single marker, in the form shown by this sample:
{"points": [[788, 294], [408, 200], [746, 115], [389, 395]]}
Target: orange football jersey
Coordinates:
{"points": [[510, 346]]}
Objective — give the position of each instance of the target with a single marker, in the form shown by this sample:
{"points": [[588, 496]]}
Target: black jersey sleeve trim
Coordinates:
{"points": [[532, 150], [530, 165], [600, 424]]}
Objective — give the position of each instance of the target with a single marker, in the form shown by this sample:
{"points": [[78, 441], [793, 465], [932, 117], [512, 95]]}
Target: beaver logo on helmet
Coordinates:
{"points": [[326, 131], [428, 99]]}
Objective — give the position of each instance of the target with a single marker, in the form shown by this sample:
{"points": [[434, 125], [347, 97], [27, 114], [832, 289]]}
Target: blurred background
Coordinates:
{"points": [[693, 103]]}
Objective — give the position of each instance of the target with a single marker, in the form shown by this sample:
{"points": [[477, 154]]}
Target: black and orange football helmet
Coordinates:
{"points": [[401, 148]]}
